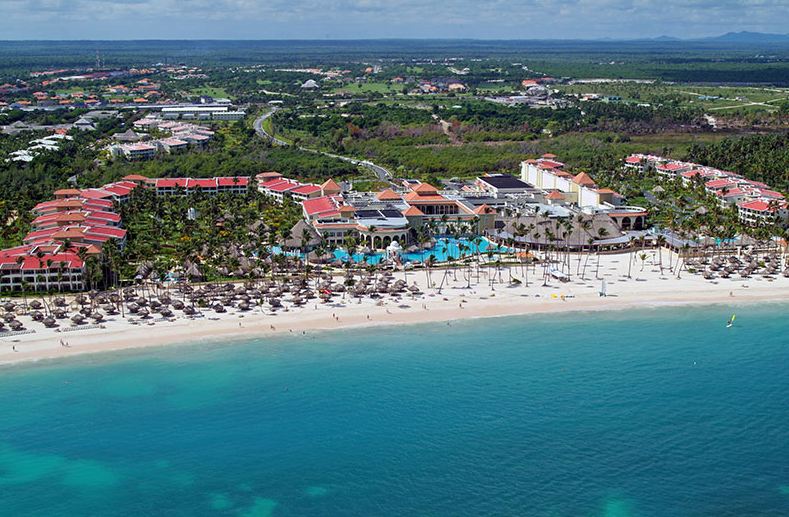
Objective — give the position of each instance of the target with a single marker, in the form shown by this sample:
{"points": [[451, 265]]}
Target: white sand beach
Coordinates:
{"points": [[646, 288]]}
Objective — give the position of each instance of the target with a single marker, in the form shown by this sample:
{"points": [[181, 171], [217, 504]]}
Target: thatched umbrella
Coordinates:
{"points": [[16, 325], [78, 319], [9, 306], [189, 310], [143, 313], [50, 322], [218, 307], [9, 317], [37, 316], [60, 313], [35, 304]]}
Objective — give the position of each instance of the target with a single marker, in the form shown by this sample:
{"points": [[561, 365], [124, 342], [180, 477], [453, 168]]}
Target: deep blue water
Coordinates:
{"points": [[653, 413]]}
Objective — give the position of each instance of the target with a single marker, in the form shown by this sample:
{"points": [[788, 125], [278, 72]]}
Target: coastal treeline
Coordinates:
{"points": [[763, 158]]}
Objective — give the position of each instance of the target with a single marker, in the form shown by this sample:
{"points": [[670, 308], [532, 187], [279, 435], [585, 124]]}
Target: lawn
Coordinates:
{"points": [[211, 91], [715, 98]]}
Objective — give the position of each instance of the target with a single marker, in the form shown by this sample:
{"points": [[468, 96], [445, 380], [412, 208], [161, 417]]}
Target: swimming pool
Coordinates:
{"points": [[446, 248]]}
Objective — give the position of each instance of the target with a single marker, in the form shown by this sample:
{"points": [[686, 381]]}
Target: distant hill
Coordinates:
{"points": [[750, 37], [665, 38]]}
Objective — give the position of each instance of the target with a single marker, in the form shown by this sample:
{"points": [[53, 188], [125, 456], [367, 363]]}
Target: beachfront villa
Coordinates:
{"points": [[78, 222], [755, 202]]}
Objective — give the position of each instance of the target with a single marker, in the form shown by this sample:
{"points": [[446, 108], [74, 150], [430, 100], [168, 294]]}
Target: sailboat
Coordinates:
{"points": [[604, 288], [730, 323]]}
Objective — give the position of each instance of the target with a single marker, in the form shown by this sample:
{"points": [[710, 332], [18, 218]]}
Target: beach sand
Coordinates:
{"points": [[646, 288]]}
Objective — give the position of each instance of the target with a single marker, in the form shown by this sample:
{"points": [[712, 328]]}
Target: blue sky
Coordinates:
{"points": [[348, 19]]}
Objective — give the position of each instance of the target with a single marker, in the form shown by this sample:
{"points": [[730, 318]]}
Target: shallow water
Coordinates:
{"points": [[659, 412]]}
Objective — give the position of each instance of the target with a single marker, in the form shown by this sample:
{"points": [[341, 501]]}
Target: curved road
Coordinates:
{"points": [[380, 172]]}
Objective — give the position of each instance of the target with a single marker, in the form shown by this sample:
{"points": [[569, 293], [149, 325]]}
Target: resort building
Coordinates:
{"points": [[500, 185], [85, 219], [41, 269], [562, 187], [755, 202], [209, 186], [376, 220], [274, 185]]}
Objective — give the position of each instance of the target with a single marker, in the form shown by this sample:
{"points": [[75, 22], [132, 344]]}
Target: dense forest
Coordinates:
{"points": [[760, 157]]}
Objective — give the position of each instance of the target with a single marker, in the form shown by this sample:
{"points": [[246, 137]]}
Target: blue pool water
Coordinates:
{"points": [[651, 413], [446, 248]]}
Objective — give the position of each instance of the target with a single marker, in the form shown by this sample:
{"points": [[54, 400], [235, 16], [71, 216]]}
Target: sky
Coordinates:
{"points": [[354, 19]]}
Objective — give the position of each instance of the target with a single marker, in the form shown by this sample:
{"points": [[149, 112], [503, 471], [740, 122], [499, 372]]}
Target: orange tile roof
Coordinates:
{"points": [[425, 188], [412, 211], [388, 195], [414, 197], [67, 192], [135, 177], [584, 180], [330, 187]]}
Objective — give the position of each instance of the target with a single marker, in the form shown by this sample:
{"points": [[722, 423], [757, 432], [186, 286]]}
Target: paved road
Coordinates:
{"points": [[258, 125], [380, 172]]}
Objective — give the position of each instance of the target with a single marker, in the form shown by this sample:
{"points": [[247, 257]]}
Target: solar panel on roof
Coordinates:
{"points": [[391, 212], [368, 214], [504, 181]]}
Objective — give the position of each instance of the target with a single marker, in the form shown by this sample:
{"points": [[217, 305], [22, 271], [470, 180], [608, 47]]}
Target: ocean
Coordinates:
{"points": [[660, 412]]}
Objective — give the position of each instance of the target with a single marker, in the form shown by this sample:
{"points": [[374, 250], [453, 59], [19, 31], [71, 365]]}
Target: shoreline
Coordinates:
{"points": [[648, 289]]}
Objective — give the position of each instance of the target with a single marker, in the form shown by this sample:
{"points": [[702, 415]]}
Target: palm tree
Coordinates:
{"points": [[630, 256], [602, 233]]}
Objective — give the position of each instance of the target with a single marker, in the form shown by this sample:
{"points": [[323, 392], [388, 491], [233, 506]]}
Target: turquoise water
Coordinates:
{"points": [[446, 248], [654, 413]]}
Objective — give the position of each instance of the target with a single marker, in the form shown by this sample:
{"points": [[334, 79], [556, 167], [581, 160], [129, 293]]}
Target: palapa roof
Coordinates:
{"points": [[297, 233]]}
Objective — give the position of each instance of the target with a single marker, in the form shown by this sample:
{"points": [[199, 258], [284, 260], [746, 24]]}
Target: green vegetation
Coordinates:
{"points": [[226, 234], [211, 91], [368, 87], [763, 158]]}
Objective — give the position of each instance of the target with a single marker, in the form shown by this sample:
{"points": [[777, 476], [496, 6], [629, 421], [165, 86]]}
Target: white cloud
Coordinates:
{"points": [[126, 19]]}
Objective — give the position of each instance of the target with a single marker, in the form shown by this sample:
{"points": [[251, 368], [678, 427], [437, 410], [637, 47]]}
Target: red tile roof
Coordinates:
{"points": [[320, 205], [232, 181], [306, 190]]}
